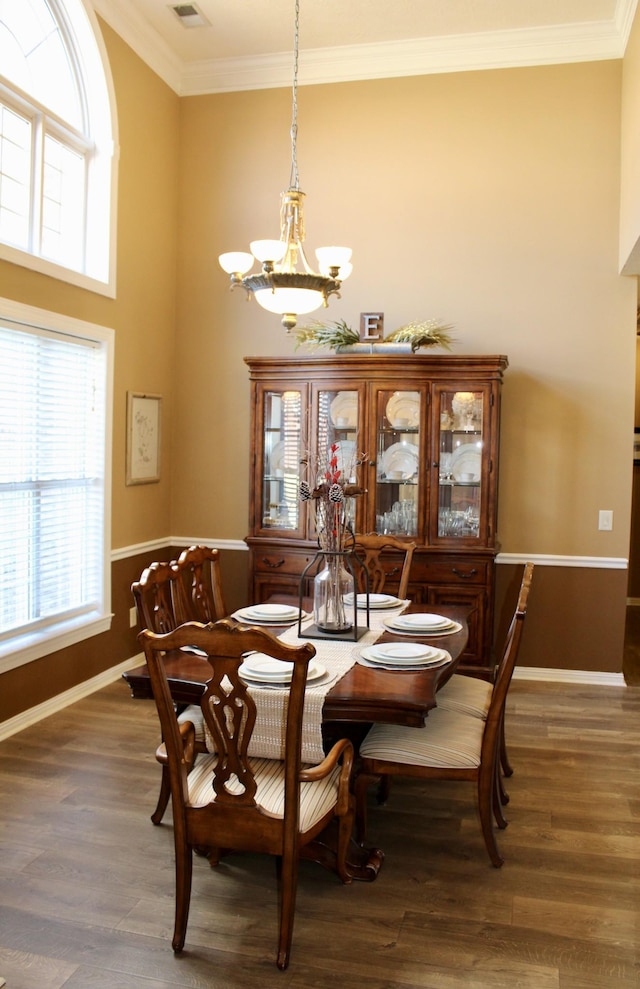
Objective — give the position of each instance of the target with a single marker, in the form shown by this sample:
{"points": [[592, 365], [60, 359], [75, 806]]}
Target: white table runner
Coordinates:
{"points": [[338, 656]]}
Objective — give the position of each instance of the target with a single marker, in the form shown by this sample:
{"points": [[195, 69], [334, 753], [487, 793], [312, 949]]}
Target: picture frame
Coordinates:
{"points": [[144, 420]]}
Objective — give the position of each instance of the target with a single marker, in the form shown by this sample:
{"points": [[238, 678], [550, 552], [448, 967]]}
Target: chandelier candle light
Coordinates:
{"points": [[287, 284]]}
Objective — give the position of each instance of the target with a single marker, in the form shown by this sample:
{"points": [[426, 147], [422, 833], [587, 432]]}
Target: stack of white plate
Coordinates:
{"points": [[403, 655], [268, 614], [375, 600], [258, 668], [421, 624]]}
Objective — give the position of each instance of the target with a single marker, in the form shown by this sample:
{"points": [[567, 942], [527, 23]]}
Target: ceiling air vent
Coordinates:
{"points": [[189, 15]]}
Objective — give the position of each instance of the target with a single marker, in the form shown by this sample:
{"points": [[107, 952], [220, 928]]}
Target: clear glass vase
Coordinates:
{"points": [[330, 586]]}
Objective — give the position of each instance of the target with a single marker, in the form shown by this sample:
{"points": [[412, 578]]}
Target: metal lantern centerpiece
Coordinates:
{"points": [[287, 284]]}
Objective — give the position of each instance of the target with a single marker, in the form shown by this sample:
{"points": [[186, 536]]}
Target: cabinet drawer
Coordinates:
{"points": [[451, 572], [276, 562]]}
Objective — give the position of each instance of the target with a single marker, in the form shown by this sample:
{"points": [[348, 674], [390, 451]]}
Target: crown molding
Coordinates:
{"points": [[584, 42]]}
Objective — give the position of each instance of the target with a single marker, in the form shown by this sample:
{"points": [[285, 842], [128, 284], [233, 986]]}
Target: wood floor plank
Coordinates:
{"points": [[86, 881]]}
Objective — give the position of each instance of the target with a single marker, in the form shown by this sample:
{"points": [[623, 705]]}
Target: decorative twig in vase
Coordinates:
{"points": [[330, 487]]}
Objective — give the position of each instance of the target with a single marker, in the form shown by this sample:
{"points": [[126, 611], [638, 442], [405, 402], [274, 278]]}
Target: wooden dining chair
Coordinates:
{"points": [[230, 801], [169, 594], [472, 695], [452, 745], [199, 592], [371, 549], [154, 597]]}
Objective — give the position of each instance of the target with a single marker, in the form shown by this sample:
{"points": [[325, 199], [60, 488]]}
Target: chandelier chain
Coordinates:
{"points": [[294, 180]]}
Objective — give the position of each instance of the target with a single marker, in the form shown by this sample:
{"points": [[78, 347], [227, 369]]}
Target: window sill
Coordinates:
{"points": [[25, 648]]}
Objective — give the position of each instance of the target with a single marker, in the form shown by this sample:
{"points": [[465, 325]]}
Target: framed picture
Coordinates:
{"points": [[143, 438]]}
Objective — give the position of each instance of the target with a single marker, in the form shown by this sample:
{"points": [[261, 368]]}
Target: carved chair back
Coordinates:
{"points": [[372, 549]]}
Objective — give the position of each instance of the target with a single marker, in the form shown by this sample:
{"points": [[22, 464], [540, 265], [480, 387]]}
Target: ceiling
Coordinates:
{"points": [[247, 44]]}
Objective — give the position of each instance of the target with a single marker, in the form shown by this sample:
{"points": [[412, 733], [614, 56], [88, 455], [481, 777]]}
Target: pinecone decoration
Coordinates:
{"points": [[336, 494], [305, 491]]}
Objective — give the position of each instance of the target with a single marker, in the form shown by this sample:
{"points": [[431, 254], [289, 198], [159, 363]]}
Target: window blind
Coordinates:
{"points": [[52, 483]]}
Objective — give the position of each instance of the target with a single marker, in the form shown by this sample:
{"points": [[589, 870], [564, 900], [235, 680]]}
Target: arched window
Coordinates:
{"points": [[57, 148]]}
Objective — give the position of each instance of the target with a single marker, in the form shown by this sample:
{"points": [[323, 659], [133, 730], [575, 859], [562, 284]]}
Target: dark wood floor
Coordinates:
{"points": [[86, 881]]}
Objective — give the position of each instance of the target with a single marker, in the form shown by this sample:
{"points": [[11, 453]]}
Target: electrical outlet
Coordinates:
{"points": [[605, 520], [133, 617]]}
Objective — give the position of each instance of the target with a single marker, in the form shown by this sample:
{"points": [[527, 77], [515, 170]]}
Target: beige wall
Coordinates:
{"points": [[487, 199], [630, 156]]}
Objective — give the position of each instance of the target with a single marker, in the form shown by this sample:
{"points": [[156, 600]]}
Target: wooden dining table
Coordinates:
{"points": [[362, 696]]}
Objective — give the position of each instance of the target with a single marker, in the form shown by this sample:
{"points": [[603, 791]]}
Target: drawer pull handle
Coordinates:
{"points": [[274, 566], [464, 576]]}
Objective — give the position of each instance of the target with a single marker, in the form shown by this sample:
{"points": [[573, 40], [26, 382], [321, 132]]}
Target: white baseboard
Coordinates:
{"points": [[569, 676], [34, 714]]}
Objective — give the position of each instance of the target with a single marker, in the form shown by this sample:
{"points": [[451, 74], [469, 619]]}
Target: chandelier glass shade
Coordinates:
{"points": [[287, 284]]}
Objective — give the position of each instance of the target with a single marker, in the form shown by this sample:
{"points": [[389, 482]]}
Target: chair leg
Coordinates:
{"points": [[163, 796], [486, 791], [288, 876], [362, 781], [345, 830], [184, 869], [498, 798], [504, 758], [384, 789]]}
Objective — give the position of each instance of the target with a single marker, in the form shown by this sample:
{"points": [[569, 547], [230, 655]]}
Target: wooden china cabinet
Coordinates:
{"points": [[429, 426]]}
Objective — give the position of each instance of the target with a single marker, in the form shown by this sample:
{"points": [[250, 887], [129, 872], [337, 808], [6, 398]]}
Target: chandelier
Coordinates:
{"points": [[287, 284]]}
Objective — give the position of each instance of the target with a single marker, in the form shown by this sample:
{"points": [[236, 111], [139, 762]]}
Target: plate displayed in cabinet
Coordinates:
{"points": [[400, 460], [403, 409], [466, 463], [284, 458], [344, 410]]}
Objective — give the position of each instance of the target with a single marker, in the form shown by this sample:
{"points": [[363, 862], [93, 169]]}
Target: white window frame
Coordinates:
{"points": [[87, 48], [25, 647]]}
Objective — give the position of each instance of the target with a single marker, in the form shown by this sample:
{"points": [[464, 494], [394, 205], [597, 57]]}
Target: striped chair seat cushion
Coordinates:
{"points": [[449, 740], [193, 713], [316, 799], [468, 695]]}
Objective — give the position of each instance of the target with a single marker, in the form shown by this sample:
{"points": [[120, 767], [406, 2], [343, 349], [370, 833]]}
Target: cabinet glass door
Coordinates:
{"points": [[398, 451], [338, 421], [280, 507], [460, 464]]}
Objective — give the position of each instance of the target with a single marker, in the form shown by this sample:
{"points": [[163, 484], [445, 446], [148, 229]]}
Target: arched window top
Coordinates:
{"points": [[57, 124], [36, 58]]}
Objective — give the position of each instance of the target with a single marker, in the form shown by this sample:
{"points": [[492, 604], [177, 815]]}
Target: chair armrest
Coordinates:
{"points": [[342, 748], [188, 733]]}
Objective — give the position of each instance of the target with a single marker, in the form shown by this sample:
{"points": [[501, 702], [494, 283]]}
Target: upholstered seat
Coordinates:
{"points": [[466, 694], [450, 740], [316, 799]]}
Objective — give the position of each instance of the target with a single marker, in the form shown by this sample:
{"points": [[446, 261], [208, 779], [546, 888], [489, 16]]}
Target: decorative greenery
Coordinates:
{"points": [[331, 335], [424, 333]]}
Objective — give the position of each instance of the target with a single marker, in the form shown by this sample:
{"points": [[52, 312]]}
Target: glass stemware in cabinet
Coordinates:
{"points": [[398, 462]]}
